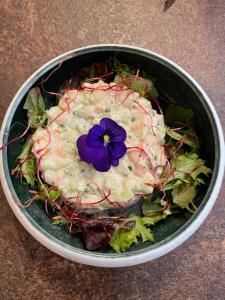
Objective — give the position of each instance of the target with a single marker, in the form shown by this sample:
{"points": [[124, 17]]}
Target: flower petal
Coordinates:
{"points": [[93, 149], [86, 153], [115, 131], [115, 162], [102, 162], [99, 157], [116, 150], [95, 137]]}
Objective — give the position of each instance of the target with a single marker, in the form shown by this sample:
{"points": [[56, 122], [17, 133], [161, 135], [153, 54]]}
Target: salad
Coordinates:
{"points": [[108, 161]]}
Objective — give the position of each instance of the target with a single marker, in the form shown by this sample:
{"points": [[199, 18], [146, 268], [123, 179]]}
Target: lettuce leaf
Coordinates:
{"points": [[52, 195], [178, 114], [188, 169], [187, 137], [127, 75], [59, 220], [138, 84], [183, 195], [123, 239], [122, 68], [35, 107], [27, 166], [151, 207], [189, 163]]}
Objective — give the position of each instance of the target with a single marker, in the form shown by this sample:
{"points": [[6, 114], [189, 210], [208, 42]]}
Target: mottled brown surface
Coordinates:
{"points": [[192, 33]]}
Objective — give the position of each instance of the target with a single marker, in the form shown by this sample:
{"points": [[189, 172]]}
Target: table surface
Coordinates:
{"points": [[191, 33]]}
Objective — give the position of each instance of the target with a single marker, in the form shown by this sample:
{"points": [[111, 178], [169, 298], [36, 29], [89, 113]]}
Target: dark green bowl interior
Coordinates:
{"points": [[173, 86]]}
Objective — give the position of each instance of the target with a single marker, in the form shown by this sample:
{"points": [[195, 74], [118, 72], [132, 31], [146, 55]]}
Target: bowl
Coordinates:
{"points": [[175, 85]]}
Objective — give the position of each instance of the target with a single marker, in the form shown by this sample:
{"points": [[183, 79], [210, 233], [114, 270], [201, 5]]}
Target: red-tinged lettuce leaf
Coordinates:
{"points": [[35, 107], [97, 234], [94, 236]]}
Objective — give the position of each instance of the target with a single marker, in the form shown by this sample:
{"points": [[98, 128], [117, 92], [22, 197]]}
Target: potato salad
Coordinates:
{"points": [[76, 113], [113, 158]]}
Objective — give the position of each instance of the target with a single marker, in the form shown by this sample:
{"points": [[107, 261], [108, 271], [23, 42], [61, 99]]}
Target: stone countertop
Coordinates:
{"points": [[191, 33]]}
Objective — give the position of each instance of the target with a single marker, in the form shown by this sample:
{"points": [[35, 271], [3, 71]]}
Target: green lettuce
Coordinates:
{"points": [[187, 174], [123, 239], [151, 207], [178, 114], [35, 107], [189, 164], [27, 166], [187, 137], [59, 220], [122, 68], [126, 74], [183, 196], [52, 195]]}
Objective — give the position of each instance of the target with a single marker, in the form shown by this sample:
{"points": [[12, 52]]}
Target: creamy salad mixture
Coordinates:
{"points": [[76, 113]]}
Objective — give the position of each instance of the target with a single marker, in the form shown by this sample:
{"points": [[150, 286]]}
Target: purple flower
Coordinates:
{"points": [[103, 146]]}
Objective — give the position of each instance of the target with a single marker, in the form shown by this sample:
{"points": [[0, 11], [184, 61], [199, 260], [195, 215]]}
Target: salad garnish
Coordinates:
{"points": [[103, 146]]}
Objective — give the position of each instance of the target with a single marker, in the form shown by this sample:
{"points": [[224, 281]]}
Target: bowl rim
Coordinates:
{"points": [[114, 259]]}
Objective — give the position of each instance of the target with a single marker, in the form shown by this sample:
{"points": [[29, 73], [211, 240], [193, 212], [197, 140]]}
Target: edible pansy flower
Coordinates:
{"points": [[103, 146]]}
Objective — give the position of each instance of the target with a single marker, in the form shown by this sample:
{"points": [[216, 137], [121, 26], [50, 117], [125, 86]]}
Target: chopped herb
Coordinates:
{"points": [[130, 168]]}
